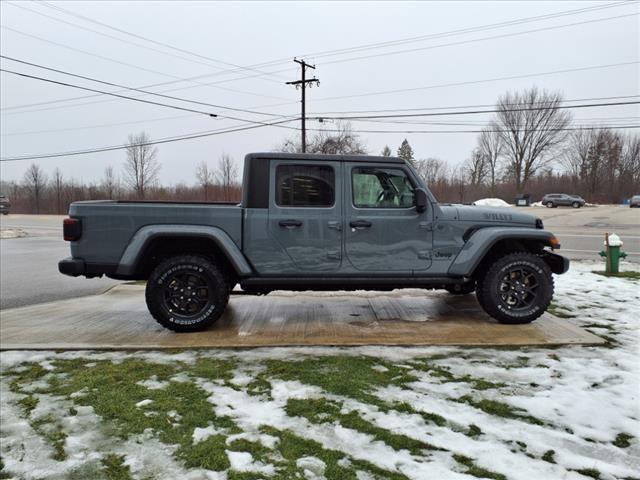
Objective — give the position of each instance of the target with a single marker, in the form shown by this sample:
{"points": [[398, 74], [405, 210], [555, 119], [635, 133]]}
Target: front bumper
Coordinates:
{"points": [[557, 263], [74, 267]]}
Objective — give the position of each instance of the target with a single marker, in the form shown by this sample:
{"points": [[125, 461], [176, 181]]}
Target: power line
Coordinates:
{"points": [[493, 37], [171, 97], [153, 142], [449, 33], [464, 31], [340, 112], [473, 82], [42, 79], [621, 127], [135, 99], [137, 67], [150, 40], [103, 125], [475, 112], [381, 44]]}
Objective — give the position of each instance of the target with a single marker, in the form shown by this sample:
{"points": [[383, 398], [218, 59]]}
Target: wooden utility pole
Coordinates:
{"points": [[303, 83]]}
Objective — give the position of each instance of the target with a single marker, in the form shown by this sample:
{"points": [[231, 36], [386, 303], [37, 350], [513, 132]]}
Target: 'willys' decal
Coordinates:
{"points": [[498, 216]]}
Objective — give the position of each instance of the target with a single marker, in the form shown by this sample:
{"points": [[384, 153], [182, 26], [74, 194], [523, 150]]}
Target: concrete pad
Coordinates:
{"points": [[119, 319]]}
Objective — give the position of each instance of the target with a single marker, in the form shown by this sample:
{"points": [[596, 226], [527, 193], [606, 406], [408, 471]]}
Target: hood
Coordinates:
{"points": [[491, 215]]}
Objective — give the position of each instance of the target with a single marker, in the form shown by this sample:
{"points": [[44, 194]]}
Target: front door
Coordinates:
{"points": [[383, 231], [305, 214]]}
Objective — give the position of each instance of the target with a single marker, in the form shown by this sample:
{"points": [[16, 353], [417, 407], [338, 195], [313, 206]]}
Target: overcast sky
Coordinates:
{"points": [[209, 38]]}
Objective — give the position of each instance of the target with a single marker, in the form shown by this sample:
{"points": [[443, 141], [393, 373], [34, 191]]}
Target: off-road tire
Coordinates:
{"points": [[191, 275], [576, 205], [549, 204], [461, 288], [532, 284]]}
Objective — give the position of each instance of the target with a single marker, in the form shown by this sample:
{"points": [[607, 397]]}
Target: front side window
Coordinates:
{"points": [[305, 186], [381, 188]]}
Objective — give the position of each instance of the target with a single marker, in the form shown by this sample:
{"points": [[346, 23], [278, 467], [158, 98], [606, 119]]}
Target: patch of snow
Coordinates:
{"points": [[201, 434], [312, 467], [491, 202], [152, 383], [144, 403], [243, 462], [380, 368]]}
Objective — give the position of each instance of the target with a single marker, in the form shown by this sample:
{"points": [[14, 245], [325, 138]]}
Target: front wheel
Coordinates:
{"points": [[518, 288], [187, 293], [549, 204], [575, 204]]}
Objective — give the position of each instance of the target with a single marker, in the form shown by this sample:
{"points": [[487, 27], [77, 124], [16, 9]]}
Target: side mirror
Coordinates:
{"points": [[421, 200]]}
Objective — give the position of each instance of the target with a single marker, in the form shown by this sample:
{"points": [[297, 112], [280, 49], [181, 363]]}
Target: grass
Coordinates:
{"points": [[326, 411], [475, 470], [630, 274], [112, 390], [445, 375], [549, 456], [352, 377], [622, 440], [500, 409], [114, 468], [589, 472]]}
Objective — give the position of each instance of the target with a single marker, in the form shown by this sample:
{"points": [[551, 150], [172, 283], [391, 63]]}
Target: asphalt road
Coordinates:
{"points": [[29, 266]]}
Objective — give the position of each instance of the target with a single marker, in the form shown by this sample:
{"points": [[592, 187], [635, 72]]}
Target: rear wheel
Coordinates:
{"points": [[187, 293], [517, 288]]}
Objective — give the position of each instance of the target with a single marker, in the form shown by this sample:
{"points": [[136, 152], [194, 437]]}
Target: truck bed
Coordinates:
{"points": [[108, 226]]}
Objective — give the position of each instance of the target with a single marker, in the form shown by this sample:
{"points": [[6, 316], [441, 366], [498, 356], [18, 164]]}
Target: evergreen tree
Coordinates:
{"points": [[406, 152], [386, 151]]}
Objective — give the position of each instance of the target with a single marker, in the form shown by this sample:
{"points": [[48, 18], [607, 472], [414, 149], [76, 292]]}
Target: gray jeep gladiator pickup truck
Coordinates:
{"points": [[315, 222]]}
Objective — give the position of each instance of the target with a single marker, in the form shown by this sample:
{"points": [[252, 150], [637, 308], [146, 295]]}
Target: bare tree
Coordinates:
{"points": [[431, 170], [227, 175], [491, 148], [205, 177], [141, 167], [35, 181], [58, 186], [386, 151], [110, 183], [476, 167], [532, 127], [338, 140]]}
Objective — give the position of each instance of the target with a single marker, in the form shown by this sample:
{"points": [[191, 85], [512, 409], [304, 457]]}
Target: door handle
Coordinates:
{"points": [[360, 224], [290, 224]]}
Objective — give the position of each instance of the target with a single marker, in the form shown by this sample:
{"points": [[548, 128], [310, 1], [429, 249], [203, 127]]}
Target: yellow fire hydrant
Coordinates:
{"points": [[612, 254]]}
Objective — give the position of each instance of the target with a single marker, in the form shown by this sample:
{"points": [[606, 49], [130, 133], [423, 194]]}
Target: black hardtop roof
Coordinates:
{"points": [[323, 157]]}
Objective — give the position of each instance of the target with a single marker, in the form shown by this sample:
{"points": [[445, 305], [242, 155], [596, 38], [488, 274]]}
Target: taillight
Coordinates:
{"points": [[72, 229]]}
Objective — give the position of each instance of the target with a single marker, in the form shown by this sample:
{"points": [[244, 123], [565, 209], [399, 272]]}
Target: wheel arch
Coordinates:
{"points": [[152, 243], [487, 244]]}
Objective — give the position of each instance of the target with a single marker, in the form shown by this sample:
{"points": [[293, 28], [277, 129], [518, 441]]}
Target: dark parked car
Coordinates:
{"points": [[552, 200], [5, 205], [635, 201], [315, 222]]}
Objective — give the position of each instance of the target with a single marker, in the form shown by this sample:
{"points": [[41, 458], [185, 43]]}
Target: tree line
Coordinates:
{"points": [[138, 179], [528, 146]]}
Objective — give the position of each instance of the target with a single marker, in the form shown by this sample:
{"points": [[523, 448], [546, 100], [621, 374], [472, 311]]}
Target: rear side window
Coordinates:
{"points": [[305, 186]]}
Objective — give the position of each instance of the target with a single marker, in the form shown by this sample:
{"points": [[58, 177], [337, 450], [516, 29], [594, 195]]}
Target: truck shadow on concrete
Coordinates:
{"points": [[119, 319]]}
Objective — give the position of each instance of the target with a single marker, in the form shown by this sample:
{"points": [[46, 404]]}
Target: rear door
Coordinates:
{"points": [[305, 214], [383, 231]]}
